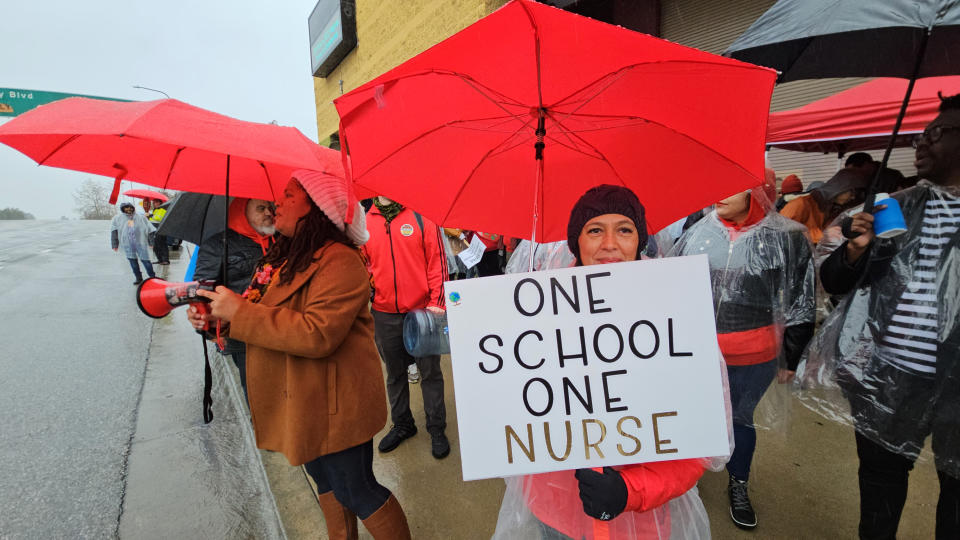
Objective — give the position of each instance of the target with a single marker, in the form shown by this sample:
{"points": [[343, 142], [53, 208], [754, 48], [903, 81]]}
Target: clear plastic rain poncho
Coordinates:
{"points": [[548, 506], [763, 281], [832, 239], [886, 359]]}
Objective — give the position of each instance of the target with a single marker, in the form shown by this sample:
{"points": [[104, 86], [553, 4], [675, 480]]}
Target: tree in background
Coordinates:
{"points": [[14, 213], [92, 200]]}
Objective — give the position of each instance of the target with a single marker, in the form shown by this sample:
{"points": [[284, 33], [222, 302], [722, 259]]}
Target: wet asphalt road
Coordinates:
{"points": [[73, 348]]}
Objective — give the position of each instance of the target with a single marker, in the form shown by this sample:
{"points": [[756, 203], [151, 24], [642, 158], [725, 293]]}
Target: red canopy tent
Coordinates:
{"points": [[860, 118]]}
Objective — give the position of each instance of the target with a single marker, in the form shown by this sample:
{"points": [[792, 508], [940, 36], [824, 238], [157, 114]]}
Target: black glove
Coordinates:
{"points": [[604, 496]]}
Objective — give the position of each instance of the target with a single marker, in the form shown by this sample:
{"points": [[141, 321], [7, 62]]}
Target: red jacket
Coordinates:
{"points": [[554, 499], [407, 264]]}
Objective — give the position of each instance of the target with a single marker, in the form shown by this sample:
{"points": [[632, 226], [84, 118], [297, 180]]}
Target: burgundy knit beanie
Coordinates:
{"points": [[605, 199]]}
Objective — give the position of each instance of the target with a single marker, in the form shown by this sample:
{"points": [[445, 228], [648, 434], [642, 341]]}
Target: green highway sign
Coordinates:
{"points": [[14, 101]]}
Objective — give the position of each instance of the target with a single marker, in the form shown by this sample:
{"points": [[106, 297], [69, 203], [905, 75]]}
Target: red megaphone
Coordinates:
{"points": [[157, 297]]}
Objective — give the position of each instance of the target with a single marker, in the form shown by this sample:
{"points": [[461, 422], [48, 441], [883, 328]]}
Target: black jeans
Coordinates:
{"points": [[388, 332], [349, 474], [884, 477], [160, 249], [747, 386], [136, 268]]}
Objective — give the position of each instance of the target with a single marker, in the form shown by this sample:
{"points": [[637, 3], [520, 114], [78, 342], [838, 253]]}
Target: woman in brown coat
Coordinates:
{"points": [[313, 374]]}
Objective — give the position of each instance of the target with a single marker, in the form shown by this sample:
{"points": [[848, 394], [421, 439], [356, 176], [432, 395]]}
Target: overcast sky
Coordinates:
{"points": [[244, 58]]}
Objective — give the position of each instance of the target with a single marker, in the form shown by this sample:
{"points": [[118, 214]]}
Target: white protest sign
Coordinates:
{"points": [[585, 367], [472, 255]]}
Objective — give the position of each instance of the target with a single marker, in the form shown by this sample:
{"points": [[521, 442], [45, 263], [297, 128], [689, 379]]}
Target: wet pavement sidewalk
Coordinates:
{"points": [[190, 480], [187, 479], [803, 485]]}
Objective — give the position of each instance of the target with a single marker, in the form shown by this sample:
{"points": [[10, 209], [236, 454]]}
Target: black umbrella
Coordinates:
{"points": [[815, 39], [193, 217]]}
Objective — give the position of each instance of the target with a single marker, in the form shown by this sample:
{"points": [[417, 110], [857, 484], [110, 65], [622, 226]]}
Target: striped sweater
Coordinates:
{"points": [[911, 339]]}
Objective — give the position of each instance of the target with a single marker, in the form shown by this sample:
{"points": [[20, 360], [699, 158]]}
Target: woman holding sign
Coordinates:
{"points": [[643, 501], [763, 292], [314, 379]]}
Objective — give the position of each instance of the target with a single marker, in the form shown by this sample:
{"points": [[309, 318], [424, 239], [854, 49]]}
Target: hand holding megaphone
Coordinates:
{"points": [[224, 303], [157, 297]]}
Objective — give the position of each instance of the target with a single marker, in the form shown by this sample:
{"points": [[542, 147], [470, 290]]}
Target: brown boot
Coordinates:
{"points": [[389, 522], [341, 523]]}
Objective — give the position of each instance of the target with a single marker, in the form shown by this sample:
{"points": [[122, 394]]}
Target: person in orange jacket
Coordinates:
{"points": [[407, 265], [655, 500]]}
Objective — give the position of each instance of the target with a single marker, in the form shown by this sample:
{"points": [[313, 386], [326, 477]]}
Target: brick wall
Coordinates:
{"points": [[390, 32]]}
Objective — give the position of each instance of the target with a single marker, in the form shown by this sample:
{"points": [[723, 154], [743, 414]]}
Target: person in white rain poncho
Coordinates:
{"points": [[130, 232], [763, 279]]}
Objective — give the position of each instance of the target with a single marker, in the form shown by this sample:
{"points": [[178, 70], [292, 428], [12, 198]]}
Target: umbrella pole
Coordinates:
{"points": [[538, 147], [872, 190], [536, 211], [226, 219]]}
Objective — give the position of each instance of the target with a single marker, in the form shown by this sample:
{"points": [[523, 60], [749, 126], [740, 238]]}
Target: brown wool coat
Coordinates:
{"points": [[313, 373]]}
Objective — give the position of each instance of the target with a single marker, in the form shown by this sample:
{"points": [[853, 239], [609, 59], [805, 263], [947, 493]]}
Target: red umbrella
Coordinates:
{"points": [[860, 118], [171, 145], [168, 144], [509, 121], [145, 194]]}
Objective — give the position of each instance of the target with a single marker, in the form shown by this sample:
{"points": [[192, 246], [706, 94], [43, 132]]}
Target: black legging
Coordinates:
{"points": [[883, 491], [349, 474]]}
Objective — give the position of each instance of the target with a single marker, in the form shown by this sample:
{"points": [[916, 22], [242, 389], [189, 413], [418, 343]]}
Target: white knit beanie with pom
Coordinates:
{"points": [[333, 196]]}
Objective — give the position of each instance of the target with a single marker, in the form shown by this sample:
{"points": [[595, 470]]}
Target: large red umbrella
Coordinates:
{"points": [[171, 145], [458, 132], [146, 194], [168, 144], [861, 118]]}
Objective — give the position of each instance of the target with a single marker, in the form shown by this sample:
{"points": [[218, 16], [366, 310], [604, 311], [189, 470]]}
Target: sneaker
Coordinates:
{"points": [[439, 445], [413, 376], [741, 511], [138, 281], [395, 436]]}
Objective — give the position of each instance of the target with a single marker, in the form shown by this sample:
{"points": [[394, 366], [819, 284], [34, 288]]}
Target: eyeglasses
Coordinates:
{"points": [[932, 135]]}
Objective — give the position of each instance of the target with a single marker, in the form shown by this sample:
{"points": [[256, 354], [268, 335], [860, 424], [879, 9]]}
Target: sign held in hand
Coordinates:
{"points": [[586, 367]]}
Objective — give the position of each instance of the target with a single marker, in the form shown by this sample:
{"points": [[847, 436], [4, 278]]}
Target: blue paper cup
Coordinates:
{"points": [[888, 222]]}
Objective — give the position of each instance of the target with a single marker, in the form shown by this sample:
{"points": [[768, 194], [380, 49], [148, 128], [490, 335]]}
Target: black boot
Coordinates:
{"points": [[741, 511]]}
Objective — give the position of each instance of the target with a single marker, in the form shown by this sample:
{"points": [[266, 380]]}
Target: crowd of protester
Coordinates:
{"points": [[796, 302]]}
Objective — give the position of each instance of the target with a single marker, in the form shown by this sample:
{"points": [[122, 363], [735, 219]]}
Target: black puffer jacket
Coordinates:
{"points": [[243, 256]]}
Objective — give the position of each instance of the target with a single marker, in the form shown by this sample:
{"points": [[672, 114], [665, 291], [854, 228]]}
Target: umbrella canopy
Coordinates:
{"points": [[519, 114], [193, 217], [860, 118], [804, 39], [168, 144], [146, 194]]}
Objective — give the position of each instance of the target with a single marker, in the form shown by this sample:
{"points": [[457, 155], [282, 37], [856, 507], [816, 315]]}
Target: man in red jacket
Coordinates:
{"points": [[406, 261]]}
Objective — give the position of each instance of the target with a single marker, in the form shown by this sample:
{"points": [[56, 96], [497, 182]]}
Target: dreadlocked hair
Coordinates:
{"points": [[314, 230], [949, 103]]}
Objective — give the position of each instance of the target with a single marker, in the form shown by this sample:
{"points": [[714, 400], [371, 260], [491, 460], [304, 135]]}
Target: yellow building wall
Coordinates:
{"points": [[389, 32]]}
